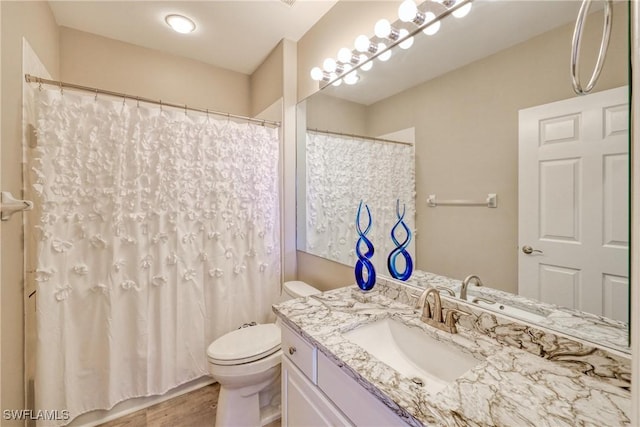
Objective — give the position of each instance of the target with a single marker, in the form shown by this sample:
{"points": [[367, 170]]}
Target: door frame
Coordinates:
{"points": [[634, 297]]}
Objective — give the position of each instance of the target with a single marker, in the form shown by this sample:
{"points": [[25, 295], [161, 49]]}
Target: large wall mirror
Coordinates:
{"points": [[486, 106]]}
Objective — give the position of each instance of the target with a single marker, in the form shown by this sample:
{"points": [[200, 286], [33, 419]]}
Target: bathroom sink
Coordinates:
{"points": [[412, 352], [518, 313]]}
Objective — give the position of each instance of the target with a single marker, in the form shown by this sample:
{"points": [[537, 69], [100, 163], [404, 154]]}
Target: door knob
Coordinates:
{"points": [[529, 250]]}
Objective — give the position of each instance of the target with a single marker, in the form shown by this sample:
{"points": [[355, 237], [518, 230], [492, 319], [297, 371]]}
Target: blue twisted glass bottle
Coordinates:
{"points": [[401, 248], [364, 260]]}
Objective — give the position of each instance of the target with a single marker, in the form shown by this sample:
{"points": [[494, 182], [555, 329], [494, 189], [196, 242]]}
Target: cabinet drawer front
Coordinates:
{"points": [[303, 404], [362, 408], [300, 352]]}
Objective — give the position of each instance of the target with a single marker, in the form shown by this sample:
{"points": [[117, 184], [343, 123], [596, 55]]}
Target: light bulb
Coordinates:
{"points": [[329, 65], [368, 65], [382, 29], [386, 55], [407, 11], [316, 74], [337, 82], [344, 55], [408, 42], [463, 11], [351, 78], [180, 24], [362, 43], [433, 28], [346, 68]]}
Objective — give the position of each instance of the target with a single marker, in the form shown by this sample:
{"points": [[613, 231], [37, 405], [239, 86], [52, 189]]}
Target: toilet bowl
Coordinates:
{"points": [[246, 363]]}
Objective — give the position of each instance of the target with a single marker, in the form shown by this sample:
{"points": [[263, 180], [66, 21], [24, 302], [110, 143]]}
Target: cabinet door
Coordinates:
{"points": [[303, 405]]}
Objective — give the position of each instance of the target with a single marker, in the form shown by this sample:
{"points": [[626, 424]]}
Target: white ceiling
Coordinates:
{"points": [[236, 35]]}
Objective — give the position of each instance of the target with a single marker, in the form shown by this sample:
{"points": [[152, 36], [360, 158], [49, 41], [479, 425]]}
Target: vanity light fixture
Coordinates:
{"points": [[363, 44], [463, 11], [426, 18], [367, 65], [180, 24], [384, 30], [330, 65], [346, 56], [408, 42], [433, 28], [317, 74], [386, 53], [351, 77]]}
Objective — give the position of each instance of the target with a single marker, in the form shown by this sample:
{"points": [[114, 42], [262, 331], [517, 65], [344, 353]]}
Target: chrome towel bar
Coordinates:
{"points": [[577, 40], [491, 201]]}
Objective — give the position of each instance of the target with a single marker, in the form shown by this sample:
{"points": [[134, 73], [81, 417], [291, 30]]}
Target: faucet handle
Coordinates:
{"points": [[476, 300], [447, 290], [450, 319]]}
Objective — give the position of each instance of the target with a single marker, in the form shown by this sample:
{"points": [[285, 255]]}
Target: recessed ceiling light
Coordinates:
{"points": [[180, 24]]}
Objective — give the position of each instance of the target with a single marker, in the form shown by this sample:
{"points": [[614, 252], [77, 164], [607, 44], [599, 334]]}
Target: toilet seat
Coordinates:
{"points": [[245, 345]]}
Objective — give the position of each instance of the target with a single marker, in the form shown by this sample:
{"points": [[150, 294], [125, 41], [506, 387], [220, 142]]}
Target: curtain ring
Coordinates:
{"points": [[137, 101], [61, 90], [228, 117], [124, 99], [185, 109], [40, 85], [263, 123], [95, 98]]}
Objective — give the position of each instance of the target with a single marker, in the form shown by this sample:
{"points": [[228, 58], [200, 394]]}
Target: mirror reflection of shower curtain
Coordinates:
{"points": [[156, 233], [341, 171]]}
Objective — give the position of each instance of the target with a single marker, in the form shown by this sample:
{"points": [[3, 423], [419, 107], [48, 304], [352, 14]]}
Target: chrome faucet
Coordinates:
{"points": [[432, 315], [465, 285]]}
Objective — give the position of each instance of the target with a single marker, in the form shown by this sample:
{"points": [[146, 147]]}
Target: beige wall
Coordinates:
{"points": [[33, 21], [265, 81], [323, 274], [467, 145], [96, 61], [335, 114]]}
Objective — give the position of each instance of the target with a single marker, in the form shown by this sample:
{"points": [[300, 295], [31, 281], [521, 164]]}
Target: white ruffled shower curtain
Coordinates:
{"points": [[155, 232], [341, 171]]}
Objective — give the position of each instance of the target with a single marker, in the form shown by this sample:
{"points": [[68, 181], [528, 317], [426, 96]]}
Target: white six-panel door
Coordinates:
{"points": [[574, 203]]}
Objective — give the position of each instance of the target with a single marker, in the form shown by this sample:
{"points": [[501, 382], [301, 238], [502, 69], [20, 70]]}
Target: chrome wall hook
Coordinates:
{"points": [[10, 205]]}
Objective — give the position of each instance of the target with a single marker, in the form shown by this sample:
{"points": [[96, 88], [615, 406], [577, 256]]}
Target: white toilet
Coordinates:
{"points": [[246, 363]]}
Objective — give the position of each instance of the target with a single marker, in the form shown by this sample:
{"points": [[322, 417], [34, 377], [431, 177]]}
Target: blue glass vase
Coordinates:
{"points": [[364, 260], [401, 248]]}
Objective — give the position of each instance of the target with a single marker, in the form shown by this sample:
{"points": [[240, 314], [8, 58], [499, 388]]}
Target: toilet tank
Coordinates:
{"points": [[297, 289]]}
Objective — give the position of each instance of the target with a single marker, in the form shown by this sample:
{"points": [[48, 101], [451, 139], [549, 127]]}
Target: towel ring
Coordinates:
{"points": [[575, 47]]}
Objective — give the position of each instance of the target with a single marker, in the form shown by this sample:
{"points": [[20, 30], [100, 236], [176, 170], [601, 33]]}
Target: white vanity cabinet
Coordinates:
{"points": [[316, 392]]}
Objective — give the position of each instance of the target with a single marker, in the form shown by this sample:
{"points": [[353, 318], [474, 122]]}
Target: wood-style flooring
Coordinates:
{"points": [[194, 409]]}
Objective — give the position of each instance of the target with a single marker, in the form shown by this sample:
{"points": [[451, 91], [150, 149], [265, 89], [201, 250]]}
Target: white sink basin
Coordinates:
{"points": [[413, 353]]}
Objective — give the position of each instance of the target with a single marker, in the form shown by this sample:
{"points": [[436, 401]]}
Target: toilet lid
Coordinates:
{"points": [[245, 345], [297, 289]]}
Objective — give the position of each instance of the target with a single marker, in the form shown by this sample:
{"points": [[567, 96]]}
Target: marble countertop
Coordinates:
{"points": [[509, 387]]}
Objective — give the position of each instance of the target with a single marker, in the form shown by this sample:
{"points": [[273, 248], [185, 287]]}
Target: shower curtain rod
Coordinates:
{"points": [[358, 136], [33, 79]]}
